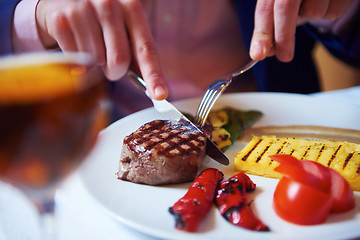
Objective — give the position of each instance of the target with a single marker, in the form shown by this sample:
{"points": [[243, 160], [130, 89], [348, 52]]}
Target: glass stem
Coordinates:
{"points": [[46, 209], [48, 222]]}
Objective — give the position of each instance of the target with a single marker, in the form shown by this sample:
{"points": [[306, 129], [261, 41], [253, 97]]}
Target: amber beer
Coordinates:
{"points": [[50, 114]]}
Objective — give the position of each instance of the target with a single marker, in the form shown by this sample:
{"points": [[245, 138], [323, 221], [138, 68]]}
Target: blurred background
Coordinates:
{"points": [[338, 75]]}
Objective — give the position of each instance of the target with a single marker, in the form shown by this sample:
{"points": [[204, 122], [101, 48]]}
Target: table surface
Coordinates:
{"points": [[79, 216]]}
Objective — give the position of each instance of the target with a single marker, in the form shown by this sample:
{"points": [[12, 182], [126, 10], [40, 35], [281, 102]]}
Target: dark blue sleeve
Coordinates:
{"points": [[300, 75], [343, 38], [343, 44], [6, 17], [297, 76]]}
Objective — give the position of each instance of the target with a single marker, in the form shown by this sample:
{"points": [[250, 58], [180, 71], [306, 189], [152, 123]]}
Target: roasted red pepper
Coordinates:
{"points": [[232, 203], [197, 202]]}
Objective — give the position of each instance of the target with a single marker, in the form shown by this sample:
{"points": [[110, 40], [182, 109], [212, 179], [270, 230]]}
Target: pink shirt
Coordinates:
{"points": [[25, 36], [198, 42]]}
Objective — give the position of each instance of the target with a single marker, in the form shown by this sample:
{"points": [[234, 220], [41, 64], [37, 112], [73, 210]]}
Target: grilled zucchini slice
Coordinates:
{"points": [[221, 137], [218, 118]]}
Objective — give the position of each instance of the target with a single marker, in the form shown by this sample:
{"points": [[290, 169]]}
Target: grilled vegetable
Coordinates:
{"points": [[192, 208], [218, 118], [221, 137], [230, 122], [344, 157], [240, 120], [232, 203]]}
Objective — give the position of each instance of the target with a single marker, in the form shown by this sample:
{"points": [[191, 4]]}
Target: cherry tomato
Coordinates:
{"points": [[309, 191], [313, 173], [342, 193], [340, 190], [301, 204]]}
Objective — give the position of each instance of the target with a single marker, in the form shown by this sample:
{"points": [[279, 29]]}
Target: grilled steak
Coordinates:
{"points": [[162, 152]]}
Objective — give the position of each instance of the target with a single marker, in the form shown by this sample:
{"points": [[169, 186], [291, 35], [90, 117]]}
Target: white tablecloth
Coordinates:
{"points": [[348, 95], [78, 215]]}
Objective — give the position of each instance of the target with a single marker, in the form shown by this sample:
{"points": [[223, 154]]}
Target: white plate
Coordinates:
{"points": [[145, 208]]}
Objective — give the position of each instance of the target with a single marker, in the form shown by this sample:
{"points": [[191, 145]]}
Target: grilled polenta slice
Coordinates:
{"points": [[344, 157]]}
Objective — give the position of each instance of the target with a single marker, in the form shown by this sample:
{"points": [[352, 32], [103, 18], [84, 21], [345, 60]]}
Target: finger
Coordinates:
{"points": [[285, 19], [312, 10], [58, 26], [263, 36], [46, 25], [87, 32], [115, 37], [144, 49], [337, 8]]}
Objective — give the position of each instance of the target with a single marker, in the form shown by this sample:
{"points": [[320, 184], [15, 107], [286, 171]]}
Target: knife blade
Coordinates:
{"points": [[171, 112]]}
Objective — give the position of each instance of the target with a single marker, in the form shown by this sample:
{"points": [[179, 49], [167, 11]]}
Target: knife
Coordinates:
{"points": [[172, 112]]}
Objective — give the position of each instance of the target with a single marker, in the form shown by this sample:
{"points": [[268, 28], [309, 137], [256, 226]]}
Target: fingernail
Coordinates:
{"points": [[161, 91], [284, 55], [257, 51], [254, 49]]}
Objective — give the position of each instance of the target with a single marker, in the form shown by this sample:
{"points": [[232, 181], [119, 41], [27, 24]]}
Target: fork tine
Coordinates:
{"points": [[208, 101], [209, 106], [205, 107], [202, 105]]}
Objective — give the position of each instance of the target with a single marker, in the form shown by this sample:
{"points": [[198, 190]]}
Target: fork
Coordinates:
{"points": [[213, 93]]}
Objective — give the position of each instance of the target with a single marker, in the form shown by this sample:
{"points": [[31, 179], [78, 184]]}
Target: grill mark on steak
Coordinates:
{"points": [[167, 139]]}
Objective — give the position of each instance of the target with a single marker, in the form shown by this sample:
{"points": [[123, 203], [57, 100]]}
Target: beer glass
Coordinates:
{"points": [[52, 107]]}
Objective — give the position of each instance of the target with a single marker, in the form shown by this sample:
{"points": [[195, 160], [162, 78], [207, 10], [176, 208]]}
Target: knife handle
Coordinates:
{"points": [[136, 79]]}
